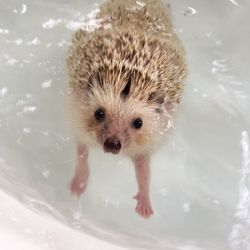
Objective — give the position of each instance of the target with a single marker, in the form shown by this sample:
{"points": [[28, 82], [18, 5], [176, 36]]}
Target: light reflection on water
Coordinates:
{"points": [[240, 237], [200, 182]]}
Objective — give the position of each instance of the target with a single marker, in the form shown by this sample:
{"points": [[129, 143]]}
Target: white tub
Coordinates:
{"points": [[200, 178]]}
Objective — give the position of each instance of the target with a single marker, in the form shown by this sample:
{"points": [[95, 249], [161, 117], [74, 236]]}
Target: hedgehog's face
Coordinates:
{"points": [[122, 123], [114, 131], [118, 130]]}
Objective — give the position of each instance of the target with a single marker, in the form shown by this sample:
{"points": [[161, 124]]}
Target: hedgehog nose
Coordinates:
{"points": [[112, 145]]}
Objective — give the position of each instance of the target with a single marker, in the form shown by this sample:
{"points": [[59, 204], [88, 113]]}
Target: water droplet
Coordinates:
{"points": [[26, 130], [35, 41], [49, 24], [46, 173], [29, 96], [11, 61], [29, 109], [18, 41], [62, 43], [3, 92], [4, 31], [46, 84]]}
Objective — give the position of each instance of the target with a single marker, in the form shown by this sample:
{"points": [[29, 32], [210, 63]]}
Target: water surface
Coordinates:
{"points": [[200, 178]]}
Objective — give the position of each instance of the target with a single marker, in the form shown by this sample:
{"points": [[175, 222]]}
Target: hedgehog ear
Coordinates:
{"points": [[156, 97], [94, 80], [125, 91], [159, 99]]}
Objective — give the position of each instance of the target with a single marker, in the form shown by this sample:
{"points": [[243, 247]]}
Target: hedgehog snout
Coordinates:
{"points": [[112, 145]]}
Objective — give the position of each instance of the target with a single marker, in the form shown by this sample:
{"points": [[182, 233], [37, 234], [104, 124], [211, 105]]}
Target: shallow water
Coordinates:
{"points": [[200, 178]]}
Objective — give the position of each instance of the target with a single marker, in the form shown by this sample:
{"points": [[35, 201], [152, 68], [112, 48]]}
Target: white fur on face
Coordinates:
{"points": [[119, 115]]}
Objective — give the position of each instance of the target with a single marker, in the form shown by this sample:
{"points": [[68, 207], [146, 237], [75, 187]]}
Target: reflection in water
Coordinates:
{"points": [[240, 235], [189, 11], [234, 2]]}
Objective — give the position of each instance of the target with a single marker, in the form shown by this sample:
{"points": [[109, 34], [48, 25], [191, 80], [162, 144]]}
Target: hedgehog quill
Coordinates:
{"points": [[126, 78]]}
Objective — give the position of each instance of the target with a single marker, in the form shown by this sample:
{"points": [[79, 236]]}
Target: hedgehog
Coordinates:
{"points": [[126, 78]]}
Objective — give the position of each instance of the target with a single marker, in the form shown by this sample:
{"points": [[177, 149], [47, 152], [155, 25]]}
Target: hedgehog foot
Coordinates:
{"points": [[143, 207]]}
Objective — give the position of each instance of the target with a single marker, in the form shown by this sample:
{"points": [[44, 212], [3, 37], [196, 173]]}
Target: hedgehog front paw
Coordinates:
{"points": [[143, 207], [78, 184]]}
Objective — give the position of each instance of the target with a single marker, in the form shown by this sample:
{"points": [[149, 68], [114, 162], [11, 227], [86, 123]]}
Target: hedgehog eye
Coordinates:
{"points": [[126, 89], [137, 123], [99, 114]]}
